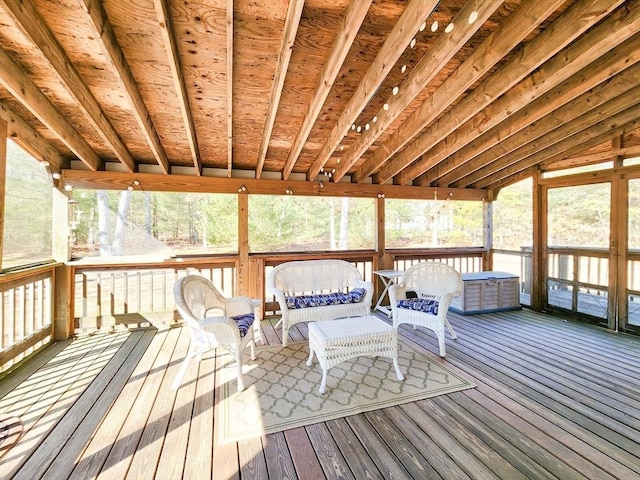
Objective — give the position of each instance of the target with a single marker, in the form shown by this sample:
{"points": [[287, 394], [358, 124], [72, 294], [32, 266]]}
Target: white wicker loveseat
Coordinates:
{"points": [[311, 290]]}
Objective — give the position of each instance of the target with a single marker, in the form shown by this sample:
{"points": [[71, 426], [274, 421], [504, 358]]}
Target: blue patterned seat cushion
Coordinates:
{"points": [[323, 299], [244, 322], [420, 304]]}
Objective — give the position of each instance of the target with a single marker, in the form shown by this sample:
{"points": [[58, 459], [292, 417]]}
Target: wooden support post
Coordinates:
{"points": [[539, 252], [617, 307], [381, 260], [487, 230], [63, 294], [244, 271], [3, 176], [62, 308]]}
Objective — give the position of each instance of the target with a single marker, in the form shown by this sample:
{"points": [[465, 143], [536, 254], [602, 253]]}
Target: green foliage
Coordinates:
{"points": [[159, 222], [289, 223], [579, 216], [512, 217], [27, 210]]}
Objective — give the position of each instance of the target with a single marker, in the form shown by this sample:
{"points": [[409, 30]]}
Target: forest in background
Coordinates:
{"points": [[138, 222]]}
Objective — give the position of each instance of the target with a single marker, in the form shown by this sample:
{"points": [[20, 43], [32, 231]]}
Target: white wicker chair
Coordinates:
{"points": [[208, 315], [430, 281]]}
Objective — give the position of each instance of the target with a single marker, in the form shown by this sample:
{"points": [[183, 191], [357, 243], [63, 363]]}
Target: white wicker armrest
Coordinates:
{"points": [[238, 306]]}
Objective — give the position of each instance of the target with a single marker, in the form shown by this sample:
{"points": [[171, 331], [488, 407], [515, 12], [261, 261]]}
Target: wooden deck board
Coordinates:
{"points": [[554, 399]]}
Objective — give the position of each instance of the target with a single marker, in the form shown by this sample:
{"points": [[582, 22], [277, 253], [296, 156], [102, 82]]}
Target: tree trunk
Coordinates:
{"points": [[103, 224], [121, 223], [344, 223]]}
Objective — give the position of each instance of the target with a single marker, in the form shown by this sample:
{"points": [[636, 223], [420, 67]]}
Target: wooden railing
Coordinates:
{"points": [[105, 296], [464, 260], [578, 280], [26, 313], [139, 294]]}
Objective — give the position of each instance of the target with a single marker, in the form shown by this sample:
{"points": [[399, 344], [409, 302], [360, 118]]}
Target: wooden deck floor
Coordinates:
{"points": [[554, 399]]}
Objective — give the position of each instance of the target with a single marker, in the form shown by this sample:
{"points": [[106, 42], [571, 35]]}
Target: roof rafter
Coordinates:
{"points": [[516, 28], [32, 23], [469, 158], [351, 23], [163, 10], [617, 124], [294, 13], [444, 48], [18, 83], [115, 56], [605, 100], [30, 139], [590, 158], [404, 30], [573, 23]]}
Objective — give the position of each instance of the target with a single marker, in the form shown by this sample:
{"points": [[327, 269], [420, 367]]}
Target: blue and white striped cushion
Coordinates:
{"points": [[244, 322], [322, 299], [420, 305]]}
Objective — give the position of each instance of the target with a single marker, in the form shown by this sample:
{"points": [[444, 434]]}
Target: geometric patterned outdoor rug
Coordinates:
{"points": [[281, 392]]}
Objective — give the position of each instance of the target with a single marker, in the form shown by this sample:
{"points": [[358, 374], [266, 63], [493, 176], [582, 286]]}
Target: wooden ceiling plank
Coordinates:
{"points": [[163, 10], [572, 118], [396, 43], [294, 13], [474, 155], [353, 19], [229, 25], [116, 59], [30, 139], [618, 124], [17, 82], [574, 22], [27, 16], [511, 33], [444, 48]]}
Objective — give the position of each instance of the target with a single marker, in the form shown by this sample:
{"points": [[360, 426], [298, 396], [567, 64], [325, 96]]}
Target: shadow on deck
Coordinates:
{"points": [[555, 399]]}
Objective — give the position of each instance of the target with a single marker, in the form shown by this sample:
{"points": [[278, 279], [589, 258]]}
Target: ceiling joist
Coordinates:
{"points": [[448, 94]]}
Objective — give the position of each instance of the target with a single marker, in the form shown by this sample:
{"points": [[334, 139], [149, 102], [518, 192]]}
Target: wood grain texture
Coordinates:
{"points": [[262, 90]]}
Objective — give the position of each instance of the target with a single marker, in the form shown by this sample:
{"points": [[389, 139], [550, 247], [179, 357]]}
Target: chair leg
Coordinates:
{"points": [[441, 343], [252, 343], [453, 334], [239, 367], [183, 369]]}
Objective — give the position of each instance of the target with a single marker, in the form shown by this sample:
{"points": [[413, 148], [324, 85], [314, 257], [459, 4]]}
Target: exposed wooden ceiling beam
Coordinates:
{"points": [[574, 117], [474, 155], [353, 19], [163, 10], [513, 31], [444, 48], [115, 56], [618, 124], [229, 24], [588, 159], [30, 139], [32, 23], [573, 23], [203, 184], [292, 22], [18, 83], [396, 43]]}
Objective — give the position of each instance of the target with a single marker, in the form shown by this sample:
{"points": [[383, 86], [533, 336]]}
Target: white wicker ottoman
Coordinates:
{"points": [[334, 341]]}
